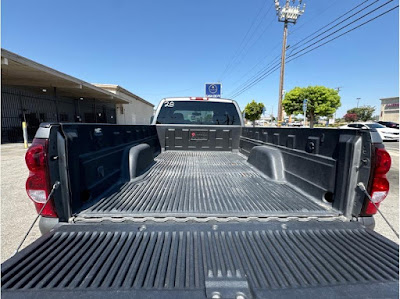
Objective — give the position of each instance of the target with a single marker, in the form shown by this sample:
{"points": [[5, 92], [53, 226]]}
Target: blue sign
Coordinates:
{"points": [[305, 106], [213, 90]]}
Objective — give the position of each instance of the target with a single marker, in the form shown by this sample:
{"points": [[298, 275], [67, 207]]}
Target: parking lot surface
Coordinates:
{"points": [[390, 206], [18, 212]]}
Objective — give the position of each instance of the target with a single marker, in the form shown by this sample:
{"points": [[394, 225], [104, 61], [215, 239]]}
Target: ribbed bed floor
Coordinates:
{"points": [[202, 184]]}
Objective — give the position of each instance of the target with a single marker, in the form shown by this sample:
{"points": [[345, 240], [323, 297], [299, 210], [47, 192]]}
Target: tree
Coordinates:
{"points": [[350, 117], [321, 101], [253, 111], [364, 113]]}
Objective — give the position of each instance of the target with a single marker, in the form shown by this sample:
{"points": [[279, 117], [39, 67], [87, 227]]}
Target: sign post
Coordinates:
{"points": [[304, 110], [213, 90]]}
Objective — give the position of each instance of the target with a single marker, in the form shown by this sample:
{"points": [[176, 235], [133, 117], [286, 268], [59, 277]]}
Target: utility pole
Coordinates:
{"points": [[358, 100], [287, 14]]}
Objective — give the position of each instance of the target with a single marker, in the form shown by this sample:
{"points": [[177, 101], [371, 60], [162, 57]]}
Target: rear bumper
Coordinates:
{"points": [[390, 137], [368, 222], [46, 224]]}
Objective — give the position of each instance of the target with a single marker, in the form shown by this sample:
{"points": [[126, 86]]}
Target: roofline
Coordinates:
{"points": [[389, 98], [23, 60], [123, 90]]}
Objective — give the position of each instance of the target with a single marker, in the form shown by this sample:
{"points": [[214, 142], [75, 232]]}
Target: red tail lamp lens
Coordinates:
{"points": [[35, 157], [380, 189], [383, 161], [380, 184], [38, 182]]}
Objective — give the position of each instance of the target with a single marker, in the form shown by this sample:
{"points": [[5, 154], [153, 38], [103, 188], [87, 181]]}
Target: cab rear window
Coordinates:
{"points": [[198, 113]]}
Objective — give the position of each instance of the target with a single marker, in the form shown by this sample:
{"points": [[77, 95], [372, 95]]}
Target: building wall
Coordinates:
{"points": [[135, 113], [21, 103], [389, 109]]}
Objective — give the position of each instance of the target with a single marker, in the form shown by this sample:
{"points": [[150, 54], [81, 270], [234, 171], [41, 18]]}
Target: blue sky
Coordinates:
{"points": [[161, 48]]}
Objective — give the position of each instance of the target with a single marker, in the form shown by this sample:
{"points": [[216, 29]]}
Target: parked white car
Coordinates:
{"points": [[385, 132]]}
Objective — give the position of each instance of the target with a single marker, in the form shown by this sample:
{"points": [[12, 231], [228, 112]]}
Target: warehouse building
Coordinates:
{"points": [[35, 93], [389, 109], [138, 111]]}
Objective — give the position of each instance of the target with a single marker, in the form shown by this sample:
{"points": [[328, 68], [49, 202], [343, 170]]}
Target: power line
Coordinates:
{"points": [[271, 70], [254, 80], [341, 22], [250, 47], [260, 72], [244, 38], [265, 68], [238, 52], [258, 63], [341, 28], [239, 55], [321, 13], [257, 80], [344, 33], [261, 78]]}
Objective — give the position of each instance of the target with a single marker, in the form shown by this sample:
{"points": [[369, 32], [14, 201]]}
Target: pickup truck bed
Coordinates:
{"points": [[203, 184], [172, 211]]}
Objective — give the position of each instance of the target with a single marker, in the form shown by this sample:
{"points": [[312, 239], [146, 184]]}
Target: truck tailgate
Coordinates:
{"points": [[272, 259]]}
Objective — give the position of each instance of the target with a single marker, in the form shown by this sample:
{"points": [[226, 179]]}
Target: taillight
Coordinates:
{"points": [[38, 182], [383, 161], [380, 184]]}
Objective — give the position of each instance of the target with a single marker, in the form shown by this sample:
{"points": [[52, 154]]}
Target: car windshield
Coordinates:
{"points": [[374, 126], [198, 113]]}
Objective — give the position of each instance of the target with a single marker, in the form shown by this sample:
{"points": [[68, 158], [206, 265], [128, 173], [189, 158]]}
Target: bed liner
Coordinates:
{"points": [[205, 184]]}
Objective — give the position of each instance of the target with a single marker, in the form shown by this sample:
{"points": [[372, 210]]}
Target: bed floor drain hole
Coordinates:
{"points": [[328, 196]]}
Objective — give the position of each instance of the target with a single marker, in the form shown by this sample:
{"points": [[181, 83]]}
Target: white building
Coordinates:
{"points": [[389, 109], [137, 112]]}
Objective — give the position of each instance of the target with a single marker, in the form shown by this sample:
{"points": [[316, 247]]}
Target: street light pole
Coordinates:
{"points": [[338, 90], [287, 14], [358, 100]]}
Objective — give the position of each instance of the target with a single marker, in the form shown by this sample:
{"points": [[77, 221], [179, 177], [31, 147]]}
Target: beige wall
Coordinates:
{"points": [[389, 109], [137, 112]]}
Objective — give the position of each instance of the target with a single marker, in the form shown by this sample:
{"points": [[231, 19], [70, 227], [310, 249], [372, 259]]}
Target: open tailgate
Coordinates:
{"points": [[307, 259]]}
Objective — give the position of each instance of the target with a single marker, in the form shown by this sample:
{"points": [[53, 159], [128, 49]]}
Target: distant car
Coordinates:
{"points": [[293, 124], [385, 132], [389, 124]]}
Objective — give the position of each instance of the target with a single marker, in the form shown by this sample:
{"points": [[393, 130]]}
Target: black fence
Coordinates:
{"points": [[19, 104]]}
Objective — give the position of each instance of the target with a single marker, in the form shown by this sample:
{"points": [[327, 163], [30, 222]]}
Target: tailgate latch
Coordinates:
{"points": [[227, 286]]}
